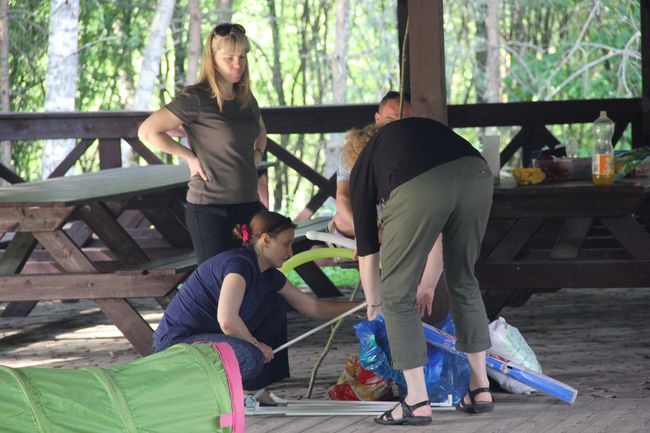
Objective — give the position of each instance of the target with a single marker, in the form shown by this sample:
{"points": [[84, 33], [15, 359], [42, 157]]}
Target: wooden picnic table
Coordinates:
{"points": [[38, 212], [547, 237], [566, 235], [42, 212]]}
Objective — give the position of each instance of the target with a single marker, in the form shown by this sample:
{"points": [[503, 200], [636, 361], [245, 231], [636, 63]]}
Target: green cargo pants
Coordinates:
{"points": [[453, 198]]}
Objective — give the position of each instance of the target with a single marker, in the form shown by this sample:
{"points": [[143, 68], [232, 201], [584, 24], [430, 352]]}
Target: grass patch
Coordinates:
{"points": [[339, 276]]}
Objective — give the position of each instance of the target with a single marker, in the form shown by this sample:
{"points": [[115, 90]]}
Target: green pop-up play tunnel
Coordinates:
{"points": [[186, 388]]}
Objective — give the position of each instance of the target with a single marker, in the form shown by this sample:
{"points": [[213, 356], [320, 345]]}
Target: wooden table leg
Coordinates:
{"points": [[118, 241], [506, 250], [130, 322], [12, 262], [119, 311], [566, 247], [167, 222], [634, 238]]}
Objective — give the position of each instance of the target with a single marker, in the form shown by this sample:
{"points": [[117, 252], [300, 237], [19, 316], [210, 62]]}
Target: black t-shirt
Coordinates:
{"points": [[397, 153], [223, 142]]}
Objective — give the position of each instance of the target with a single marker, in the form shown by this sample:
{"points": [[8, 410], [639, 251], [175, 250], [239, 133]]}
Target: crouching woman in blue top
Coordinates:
{"points": [[239, 297]]}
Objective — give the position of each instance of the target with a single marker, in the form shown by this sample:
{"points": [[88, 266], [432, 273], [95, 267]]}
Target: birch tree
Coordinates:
{"points": [[5, 146], [151, 57], [61, 76], [339, 79], [492, 30], [152, 54], [224, 11], [194, 52]]}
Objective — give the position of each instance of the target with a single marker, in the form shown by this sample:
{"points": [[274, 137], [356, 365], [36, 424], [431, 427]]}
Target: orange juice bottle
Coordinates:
{"points": [[602, 160]]}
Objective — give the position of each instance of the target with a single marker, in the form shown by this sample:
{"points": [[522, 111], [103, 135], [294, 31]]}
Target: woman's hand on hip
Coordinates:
{"points": [[196, 169]]}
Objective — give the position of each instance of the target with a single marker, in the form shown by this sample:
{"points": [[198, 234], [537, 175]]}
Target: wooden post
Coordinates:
{"points": [[402, 15], [427, 59], [645, 70]]}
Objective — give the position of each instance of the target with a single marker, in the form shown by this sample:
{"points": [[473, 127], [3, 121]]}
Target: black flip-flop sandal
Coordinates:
{"points": [[475, 406], [407, 415]]}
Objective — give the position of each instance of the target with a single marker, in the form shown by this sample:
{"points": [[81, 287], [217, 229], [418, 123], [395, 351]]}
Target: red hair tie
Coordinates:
{"points": [[245, 233]]}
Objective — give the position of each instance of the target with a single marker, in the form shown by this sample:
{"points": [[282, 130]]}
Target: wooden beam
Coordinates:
{"points": [[45, 287], [118, 241], [168, 224], [303, 169], [571, 237], [546, 274], [402, 18], [65, 251], [517, 237], [645, 48], [21, 219], [130, 322], [72, 157], [143, 151], [12, 261], [323, 118], [9, 175], [645, 70], [110, 155], [427, 59], [634, 238]]}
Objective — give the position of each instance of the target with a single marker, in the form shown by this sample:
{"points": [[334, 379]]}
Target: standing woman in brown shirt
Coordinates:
{"points": [[227, 138]]}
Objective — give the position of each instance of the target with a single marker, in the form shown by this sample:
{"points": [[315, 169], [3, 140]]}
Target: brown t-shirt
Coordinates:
{"points": [[223, 142]]}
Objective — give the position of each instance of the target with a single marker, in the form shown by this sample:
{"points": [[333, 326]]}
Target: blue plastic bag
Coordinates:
{"points": [[444, 373]]}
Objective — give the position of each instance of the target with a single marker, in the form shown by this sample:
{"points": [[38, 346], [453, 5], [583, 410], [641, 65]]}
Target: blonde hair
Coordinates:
{"points": [[355, 141], [234, 42]]}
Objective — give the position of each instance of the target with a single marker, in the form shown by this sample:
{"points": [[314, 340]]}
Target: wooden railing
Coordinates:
{"points": [[108, 128]]}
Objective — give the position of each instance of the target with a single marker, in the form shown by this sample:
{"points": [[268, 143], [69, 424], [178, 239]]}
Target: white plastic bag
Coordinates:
{"points": [[508, 343]]}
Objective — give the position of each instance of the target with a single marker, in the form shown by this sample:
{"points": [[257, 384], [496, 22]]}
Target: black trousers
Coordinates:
{"points": [[211, 226]]}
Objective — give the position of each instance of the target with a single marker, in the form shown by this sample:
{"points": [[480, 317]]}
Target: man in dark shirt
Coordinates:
{"points": [[427, 180]]}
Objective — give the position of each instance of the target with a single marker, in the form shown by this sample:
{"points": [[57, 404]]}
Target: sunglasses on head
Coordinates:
{"points": [[227, 28]]}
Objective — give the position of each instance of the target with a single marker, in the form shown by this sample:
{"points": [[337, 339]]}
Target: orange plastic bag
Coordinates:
{"points": [[358, 384]]}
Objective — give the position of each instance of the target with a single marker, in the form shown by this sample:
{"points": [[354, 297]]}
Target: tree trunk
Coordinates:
{"points": [[152, 54], [5, 105], [493, 77], [479, 12], [61, 77], [224, 11], [194, 52], [492, 45], [180, 39], [276, 70], [339, 80], [150, 68]]}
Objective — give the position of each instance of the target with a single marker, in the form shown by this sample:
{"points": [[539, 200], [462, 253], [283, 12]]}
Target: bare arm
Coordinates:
{"points": [[319, 309], [259, 146], [230, 299], [369, 270], [343, 218], [153, 132]]}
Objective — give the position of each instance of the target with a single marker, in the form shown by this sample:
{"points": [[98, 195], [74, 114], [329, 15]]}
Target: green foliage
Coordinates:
{"points": [[339, 276], [111, 39], [28, 53], [550, 50]]}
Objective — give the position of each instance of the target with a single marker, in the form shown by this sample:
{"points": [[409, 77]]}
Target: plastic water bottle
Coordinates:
{"points": [[602, 160], [572, 148]]}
